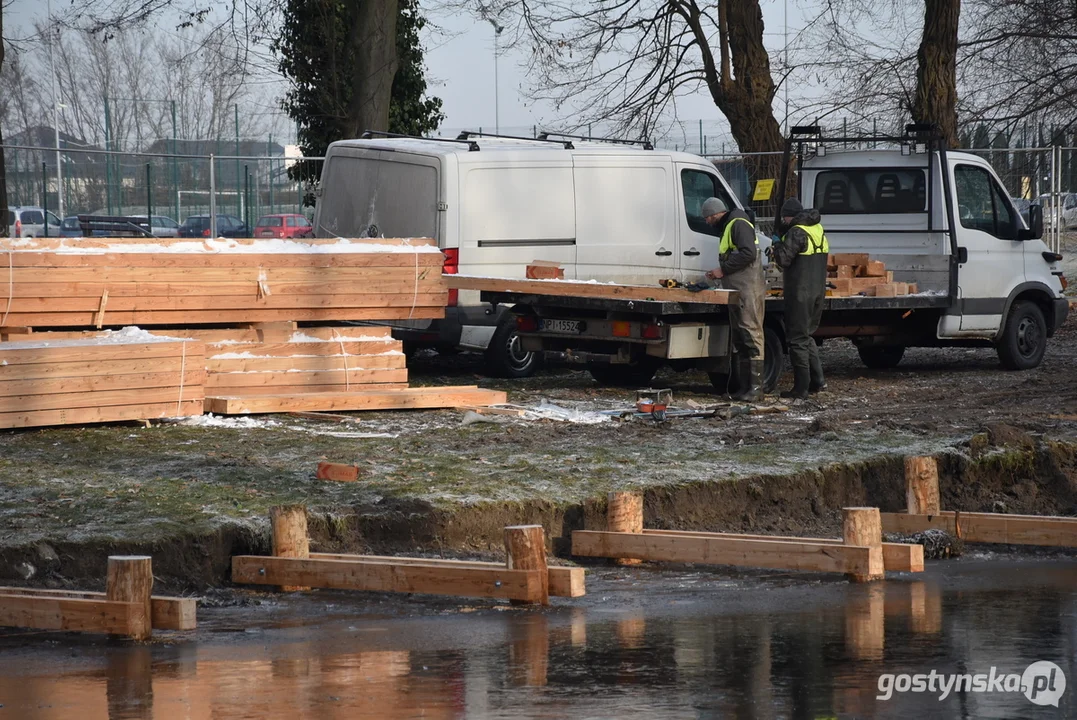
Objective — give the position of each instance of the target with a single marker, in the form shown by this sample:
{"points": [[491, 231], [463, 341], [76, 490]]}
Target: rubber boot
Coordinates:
{"points": [[801, 382], [754, 389], [815, 369]]}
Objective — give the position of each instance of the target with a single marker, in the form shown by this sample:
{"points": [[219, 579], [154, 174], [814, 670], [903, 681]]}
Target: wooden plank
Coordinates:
{"points": [[278, 390], [377, 284], [100, 383], [567, 288], [564, 581], [71, 614], [222, 260], [216, 245], [80, 416], [838, 259], [1049, 531], [229, 363], [27, 353], [182, 317], [413, 398], [388, 577], [654, 546], [193, 277], [104, 399], [897, 557], [12, 373], [403, 297], [242, 382], [289, 349], [168, 613]]}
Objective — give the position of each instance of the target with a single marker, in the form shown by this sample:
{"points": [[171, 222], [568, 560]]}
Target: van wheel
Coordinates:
{"points": [[635, 375], [881, 358], [1024, 339], [505, 357]]}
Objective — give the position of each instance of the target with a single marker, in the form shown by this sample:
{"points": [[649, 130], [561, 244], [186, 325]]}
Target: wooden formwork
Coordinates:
{"points": [[923, 512], [860, 553], [524, 576], [127, 607]]}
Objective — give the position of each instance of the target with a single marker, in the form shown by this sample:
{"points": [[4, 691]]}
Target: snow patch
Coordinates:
{"points": [[127, 336], [231, 246], [300, 337], [548, 411], [240, 423]]}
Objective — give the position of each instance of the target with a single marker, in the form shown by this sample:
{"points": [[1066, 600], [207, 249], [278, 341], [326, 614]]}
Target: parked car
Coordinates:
{"points": [[227, 226], [30, 222], [69, 227], [1069, 211], [284, 225], [162, 226]]}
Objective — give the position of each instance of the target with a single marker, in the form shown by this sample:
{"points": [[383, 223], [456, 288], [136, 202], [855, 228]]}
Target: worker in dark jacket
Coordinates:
{"points": [[801, 254], [741, 269]]}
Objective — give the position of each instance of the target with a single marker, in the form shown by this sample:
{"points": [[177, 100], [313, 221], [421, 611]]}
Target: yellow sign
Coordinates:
{"points": [[763, 190]]}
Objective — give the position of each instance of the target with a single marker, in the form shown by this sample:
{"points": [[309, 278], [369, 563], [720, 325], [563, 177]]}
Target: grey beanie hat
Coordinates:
{"points": [[712, 206], [791, 207]]}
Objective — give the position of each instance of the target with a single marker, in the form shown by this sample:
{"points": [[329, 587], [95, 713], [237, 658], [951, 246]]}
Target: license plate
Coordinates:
{"points": [[568, 327], [266, 233]]}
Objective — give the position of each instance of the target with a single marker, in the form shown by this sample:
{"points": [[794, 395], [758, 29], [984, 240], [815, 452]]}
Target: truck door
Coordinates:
{"points": [[987, 229], [697, 246]]}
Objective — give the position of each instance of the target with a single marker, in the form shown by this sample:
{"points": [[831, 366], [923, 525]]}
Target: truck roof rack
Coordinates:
{"points": [[467, 134], [647, 145], [472, 146]]}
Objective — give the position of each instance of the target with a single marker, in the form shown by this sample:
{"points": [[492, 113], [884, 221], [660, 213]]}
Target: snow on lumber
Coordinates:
{"points": [[102, 282], [125, 376], [588, 289]]}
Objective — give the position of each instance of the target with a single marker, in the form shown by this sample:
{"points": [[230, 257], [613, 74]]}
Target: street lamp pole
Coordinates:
{"points": [[56, 121], [497, 108]]}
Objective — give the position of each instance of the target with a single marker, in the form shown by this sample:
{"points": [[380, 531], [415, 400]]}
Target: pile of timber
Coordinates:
{"points": [[858, 274], [130, 375], [578, 288], [244, 363], [102, 282]]}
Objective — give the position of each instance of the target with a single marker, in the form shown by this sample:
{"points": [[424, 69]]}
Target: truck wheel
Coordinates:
{"points": [[881, 358], [636, 375], [1024, 339], [505, 357]]}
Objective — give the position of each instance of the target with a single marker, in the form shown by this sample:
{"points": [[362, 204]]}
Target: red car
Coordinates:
{"points": [[285, 225]]}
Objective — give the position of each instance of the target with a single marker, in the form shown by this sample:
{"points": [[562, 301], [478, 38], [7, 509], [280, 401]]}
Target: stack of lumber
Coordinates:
{"points": [[858, 274], [95, 282], [130, 375], [320, 360], [581, 288]]}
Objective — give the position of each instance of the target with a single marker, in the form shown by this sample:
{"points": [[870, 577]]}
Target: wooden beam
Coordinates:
{"points": [[563, 581], [624, 514], [288, 526], [1048, 531], [80, 416], [922, 485], [569, 288], [130, 580], [167, 613], [74, 614], [654, 546], [897, 557], [499, 582], [860, 526], [411, 399], [525, 549]]}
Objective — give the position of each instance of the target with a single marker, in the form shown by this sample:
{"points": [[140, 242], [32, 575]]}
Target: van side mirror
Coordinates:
{"points": [[1035, 224]]}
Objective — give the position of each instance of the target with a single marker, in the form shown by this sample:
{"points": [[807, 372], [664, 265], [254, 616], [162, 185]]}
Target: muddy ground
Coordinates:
{"points": [[194, 493]]}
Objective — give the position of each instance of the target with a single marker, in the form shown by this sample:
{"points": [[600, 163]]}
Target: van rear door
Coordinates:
{"points": [[378, 193]]}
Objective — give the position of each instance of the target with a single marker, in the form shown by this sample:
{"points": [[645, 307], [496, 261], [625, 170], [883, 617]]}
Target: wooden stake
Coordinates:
{"points": [[922, 486], [289, 527], [625, 514], [130, 580], [525, 549], [863, 526]]}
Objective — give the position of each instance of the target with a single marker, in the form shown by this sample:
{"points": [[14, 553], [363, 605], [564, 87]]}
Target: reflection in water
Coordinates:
{"points": [[820, 661]]}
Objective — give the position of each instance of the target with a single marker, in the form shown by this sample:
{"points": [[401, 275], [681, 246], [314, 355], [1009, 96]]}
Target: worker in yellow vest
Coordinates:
{"points": [[801, 254], [741, 269]]}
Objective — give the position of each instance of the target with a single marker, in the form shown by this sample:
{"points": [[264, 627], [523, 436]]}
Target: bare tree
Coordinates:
{"points": [[624, 63], [936, 75], [3, 167]]}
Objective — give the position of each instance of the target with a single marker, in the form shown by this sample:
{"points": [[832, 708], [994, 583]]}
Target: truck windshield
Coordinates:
{"points": [[871, 191]]}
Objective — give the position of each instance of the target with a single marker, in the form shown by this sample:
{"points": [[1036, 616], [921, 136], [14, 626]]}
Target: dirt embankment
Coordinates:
{"points": [[1001, 470]]}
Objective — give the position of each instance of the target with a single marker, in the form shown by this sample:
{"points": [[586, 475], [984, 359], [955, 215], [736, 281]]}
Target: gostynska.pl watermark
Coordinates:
{"points": [[1042, 683]]}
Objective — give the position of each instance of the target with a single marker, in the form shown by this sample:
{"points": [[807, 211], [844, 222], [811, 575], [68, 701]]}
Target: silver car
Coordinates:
{"points": [[24, 221], [161, 225]]}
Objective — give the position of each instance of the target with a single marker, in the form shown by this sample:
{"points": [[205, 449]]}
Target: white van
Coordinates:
{"points": [[605, 211]]}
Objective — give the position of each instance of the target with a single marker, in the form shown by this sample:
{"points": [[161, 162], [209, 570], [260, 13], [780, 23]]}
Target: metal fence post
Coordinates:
{"points": [[45, 195], [212, 197], [149, 197]]}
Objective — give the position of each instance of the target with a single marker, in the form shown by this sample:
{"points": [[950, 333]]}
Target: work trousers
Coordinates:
{"points": [[804, 291], [746, 315]]}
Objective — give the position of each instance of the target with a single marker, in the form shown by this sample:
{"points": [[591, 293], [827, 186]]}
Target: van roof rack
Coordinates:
{"points": [[467, 134], [472, 146], [647, 145]]}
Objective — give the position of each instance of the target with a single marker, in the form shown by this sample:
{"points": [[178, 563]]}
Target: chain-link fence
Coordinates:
{"points": [[98, 182]]}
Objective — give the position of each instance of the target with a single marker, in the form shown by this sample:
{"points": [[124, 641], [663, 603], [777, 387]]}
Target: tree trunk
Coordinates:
{"points": [[3, 160], [373, 37], [936, 77]]}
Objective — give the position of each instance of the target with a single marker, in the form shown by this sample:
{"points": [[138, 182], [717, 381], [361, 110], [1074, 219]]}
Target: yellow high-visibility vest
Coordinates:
{"points": [[726, 246], [817, 242]]}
